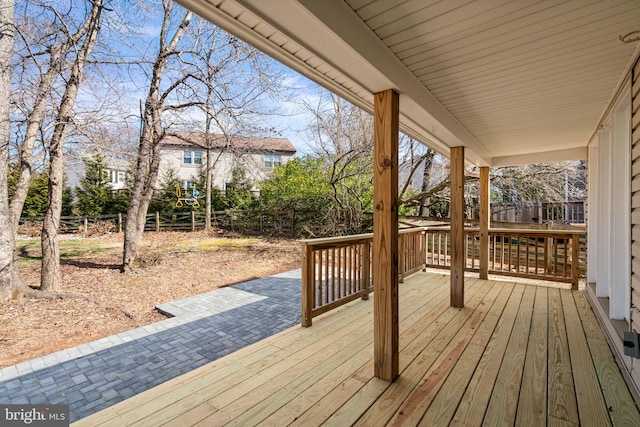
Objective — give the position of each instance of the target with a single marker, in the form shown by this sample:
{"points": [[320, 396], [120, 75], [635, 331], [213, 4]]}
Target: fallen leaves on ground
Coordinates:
{"points": [[176, 265]]}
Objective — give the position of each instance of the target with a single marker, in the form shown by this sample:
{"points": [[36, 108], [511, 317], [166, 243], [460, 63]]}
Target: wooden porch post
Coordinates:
{"points": [[485, 219], [385, 235], [457, 227]]}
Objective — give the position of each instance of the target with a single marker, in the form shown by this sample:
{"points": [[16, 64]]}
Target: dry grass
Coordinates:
{"points": [[175, 265]]}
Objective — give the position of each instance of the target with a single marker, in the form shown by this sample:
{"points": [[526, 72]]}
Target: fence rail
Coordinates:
{"points": [[289, 223], [337, 270]]}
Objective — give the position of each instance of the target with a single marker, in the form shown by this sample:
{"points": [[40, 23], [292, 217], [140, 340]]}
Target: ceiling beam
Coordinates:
{"points": [[576, 153]]}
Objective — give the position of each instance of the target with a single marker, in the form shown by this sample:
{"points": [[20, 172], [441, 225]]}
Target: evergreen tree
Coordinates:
{"points": [[35, 204], [218, 202], [95, 192], [238, 195], [118, 202], [165, 198], [67, 201]]}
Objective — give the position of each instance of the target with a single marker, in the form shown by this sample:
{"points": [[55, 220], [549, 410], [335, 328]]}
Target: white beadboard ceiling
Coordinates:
{"points": [[514, 81]]}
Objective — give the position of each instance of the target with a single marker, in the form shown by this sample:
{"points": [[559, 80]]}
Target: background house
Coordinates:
{"points": [[116, 171], [185, 153]]}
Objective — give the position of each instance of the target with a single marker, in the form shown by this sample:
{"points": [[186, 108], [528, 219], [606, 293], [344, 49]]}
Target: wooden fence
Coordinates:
{"points": [[290, 223]]}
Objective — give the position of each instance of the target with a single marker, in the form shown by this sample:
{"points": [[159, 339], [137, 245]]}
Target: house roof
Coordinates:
{"points": [[262, 144], [511, 81]]}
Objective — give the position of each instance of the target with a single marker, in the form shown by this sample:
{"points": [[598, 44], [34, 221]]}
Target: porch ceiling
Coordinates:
{"points": [[513, 81]]}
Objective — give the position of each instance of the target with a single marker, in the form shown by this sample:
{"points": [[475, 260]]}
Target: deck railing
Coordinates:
{"points": [[337, 270], [534, 254]]}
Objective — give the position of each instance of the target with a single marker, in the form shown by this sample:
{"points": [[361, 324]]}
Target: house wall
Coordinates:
{"points": [[224, 163], [614, 223], [634, 364]]}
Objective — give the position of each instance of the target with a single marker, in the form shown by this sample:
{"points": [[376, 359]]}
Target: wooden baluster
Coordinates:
{"points": [[575, 259], [320, 278], [333, 274], [308, 281], [366, 270]]}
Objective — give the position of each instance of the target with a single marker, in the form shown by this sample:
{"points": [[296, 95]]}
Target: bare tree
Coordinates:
{"points": [[50, 279], [234, 84], [10, 281], [544, 182], [342, 135], [46, 44], [148, 159]]}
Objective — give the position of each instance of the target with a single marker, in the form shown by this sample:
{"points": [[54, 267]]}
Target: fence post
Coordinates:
{"points": [[193, 220], [293, 223], [86, 226], [261, 222], [308, 281], [575, 260], [120, 222], [157, 221]]}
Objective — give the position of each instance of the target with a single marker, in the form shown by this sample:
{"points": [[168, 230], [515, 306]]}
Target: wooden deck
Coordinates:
{"points": [[516, 354]]}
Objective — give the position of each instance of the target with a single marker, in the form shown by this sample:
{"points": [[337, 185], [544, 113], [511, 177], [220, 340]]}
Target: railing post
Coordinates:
{"points": [[308, 280], [575, 260], [485, 205]]}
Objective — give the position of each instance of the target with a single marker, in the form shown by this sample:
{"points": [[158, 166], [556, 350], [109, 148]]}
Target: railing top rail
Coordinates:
{"points": [[522, 231], [355, 237], [533, 232]]}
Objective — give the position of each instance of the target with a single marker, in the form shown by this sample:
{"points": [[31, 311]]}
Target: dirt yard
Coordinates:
{"points": [[176, 265]]}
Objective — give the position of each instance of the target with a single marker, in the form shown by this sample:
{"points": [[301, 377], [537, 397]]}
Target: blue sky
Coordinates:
{"points": [[118, 90]]}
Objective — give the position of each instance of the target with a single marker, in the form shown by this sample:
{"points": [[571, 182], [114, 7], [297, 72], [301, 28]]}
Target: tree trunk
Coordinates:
{"points": [[148, 162], [136, 213], [208, 177], [57, 55], [426, 178], [50, 279], [34, 121], [9, 274]]}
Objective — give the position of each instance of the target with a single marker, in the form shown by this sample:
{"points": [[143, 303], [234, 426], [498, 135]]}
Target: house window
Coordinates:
{"points": [[193, 157], [188, 185], [115, 177], [272, 160]]}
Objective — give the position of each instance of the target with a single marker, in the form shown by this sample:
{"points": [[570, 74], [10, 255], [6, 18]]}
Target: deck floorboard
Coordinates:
{"points": [[516, 354]]}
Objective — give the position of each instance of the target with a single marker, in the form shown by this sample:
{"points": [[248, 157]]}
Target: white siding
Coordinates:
{"points": [[223, 165]]}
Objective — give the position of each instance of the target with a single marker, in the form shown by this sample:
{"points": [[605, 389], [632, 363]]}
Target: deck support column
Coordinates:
{"points": [[485, 221], [385, 235], [457, 226]]}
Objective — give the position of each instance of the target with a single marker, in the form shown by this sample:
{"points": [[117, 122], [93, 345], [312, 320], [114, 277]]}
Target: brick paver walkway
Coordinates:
{"points": [[93, 376]]}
